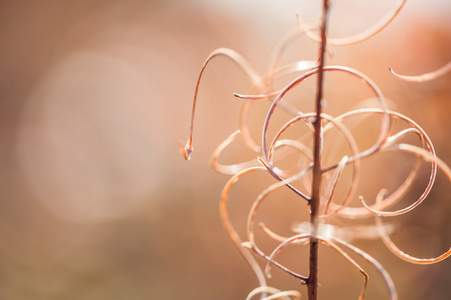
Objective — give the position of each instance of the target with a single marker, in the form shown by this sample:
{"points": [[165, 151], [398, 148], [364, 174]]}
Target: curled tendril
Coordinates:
{"points": [[427, 76], [381, 270], [367, 210], [333, 183], [299, 238], [433, 174], [296, 144], [229, 169], [230, 228], [242, 63], [275, 294], [251, 221], [373, 87], [306, 237], [332, 242], [384, 235], [357, 38]]}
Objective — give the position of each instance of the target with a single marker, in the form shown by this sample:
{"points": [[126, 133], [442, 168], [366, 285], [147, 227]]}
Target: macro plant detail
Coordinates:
{"points": [[325, 160]]}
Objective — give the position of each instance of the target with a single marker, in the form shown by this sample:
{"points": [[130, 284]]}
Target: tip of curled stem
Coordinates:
{"points": [[394, 73], [186, 149]]}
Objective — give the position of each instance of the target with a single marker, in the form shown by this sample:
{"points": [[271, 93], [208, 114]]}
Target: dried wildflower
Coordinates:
{"points": [[310, 178]]}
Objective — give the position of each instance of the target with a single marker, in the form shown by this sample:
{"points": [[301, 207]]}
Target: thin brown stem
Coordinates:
{"points": [[312, 282]]}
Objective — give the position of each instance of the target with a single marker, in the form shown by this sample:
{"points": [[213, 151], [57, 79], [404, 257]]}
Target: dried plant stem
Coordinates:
{"points": [[312, 282], [320, 194]]}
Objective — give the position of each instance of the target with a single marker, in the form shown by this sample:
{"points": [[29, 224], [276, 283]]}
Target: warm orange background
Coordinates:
{"points": [[97, 203]]}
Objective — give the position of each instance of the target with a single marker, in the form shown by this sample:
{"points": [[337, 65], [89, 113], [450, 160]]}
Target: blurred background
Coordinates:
{"points": [[96, 201]]}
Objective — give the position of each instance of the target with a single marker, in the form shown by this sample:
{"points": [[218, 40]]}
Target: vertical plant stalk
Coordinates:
{"points": [[312, 282]]}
